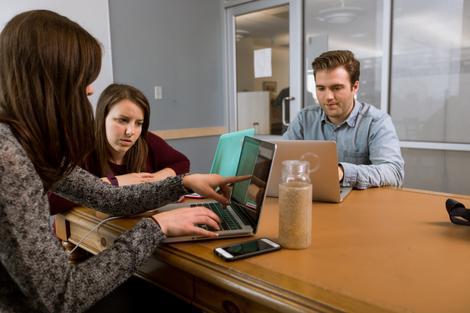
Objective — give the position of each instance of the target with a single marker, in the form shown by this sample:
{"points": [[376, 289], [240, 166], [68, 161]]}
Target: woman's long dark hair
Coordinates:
{"points": [[46, 63], [135, 158]]}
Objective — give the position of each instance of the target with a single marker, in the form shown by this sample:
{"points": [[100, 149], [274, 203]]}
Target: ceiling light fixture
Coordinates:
{"points": [[240, 33], [341, 15]]}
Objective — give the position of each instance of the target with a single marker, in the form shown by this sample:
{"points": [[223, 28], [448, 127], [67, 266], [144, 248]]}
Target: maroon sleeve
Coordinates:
{"points": [[162, 155], [58, 204]]}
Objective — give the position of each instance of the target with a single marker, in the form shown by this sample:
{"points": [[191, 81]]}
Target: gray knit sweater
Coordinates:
{"points": [[34, 271]]}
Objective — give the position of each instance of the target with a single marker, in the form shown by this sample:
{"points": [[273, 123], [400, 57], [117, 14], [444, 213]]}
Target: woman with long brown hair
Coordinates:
{"points": [[124, 144], [126, 152], [47, 65]]}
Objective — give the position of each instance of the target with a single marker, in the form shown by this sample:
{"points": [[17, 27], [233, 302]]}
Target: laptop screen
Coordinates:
{"points": [[247, 196]]}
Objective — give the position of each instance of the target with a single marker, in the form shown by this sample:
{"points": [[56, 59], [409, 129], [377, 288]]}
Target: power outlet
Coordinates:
{"points": [[158, 92]]}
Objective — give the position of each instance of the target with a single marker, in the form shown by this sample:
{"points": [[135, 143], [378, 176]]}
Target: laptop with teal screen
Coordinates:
{"points": [[241, 216], [228, 150], [227, 155]]}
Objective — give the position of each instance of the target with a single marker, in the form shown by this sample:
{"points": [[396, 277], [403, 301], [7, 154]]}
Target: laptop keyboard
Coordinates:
{"points": [[228, 221]]}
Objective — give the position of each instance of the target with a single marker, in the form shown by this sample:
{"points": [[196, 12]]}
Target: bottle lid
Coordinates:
{"points": [[295, 170]]}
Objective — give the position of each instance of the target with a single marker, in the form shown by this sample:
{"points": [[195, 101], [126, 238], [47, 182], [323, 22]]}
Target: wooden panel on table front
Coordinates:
{"points": [[216, 299]]}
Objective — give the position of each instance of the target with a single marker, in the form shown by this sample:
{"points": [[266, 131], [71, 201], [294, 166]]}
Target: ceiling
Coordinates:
{"points": [[270, 23], [357, 24], [321, 16]]}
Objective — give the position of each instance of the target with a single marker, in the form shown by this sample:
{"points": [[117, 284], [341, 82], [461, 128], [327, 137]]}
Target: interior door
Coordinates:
{"points": [[264, 52]]}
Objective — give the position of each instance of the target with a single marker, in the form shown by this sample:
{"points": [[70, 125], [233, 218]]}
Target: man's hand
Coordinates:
{"points": [[340, 172]]}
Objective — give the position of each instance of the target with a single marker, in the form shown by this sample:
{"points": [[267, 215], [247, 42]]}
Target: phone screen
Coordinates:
{"points": [[249, 248]]}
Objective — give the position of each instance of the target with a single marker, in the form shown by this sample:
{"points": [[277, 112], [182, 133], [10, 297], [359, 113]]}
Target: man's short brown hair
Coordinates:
{"points": [[332, 59]]}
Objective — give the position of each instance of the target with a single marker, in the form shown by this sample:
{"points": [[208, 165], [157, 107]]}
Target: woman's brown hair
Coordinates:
{"points": [[46, 63], [135, 158]]}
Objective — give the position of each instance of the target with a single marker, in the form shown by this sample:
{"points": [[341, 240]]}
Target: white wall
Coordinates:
{"points": [[176, 44], [93, 15]]}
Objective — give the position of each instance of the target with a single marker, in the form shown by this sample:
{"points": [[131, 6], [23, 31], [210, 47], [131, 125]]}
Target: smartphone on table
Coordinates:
{"points": [[246, 249]]}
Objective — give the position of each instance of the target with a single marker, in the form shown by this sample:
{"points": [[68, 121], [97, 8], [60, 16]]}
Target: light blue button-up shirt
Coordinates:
{"points": [[367, 144]]}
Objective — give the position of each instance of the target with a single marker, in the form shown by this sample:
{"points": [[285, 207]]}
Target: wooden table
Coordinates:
{"points": [[381, 250]]}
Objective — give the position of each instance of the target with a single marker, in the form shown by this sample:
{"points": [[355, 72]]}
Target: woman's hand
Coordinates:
{"points": [[138, 178], [132, 178], [204, 184], [184, 221], [163, 174]]}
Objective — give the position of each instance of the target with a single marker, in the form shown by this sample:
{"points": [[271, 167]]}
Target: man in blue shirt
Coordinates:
{"points": [[367, 143]]}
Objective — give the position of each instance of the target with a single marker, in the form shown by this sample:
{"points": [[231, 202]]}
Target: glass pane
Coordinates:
{"points": [[262, 36], [429, 79], [437, 170], [354, 25]]}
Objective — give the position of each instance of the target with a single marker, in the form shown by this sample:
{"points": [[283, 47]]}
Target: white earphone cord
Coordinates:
{"points": [[95, 228]]}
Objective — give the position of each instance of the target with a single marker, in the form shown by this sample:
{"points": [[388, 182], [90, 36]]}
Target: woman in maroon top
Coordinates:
{"points": [[126, 153]]}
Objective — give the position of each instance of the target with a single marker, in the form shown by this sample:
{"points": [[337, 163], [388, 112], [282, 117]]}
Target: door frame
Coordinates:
{"points": [[295, 54]]}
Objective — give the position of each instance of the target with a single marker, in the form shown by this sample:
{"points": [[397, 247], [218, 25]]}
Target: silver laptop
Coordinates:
{"points": [[241, 216], [323, 160]]}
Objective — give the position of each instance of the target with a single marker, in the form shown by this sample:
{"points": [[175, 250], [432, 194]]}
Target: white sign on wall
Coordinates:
{"points": [[263, 63]]}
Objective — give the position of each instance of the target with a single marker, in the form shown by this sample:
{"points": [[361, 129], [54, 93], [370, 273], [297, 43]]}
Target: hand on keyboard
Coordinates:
{"points": [[185, 221], [207, 227]]}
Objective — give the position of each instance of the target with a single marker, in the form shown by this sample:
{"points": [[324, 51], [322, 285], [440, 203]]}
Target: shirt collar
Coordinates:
{"points": [[323, 117], [352, 118]]}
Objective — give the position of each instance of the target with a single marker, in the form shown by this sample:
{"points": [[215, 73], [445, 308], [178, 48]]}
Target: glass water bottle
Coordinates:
{"points": [[295, 205]]}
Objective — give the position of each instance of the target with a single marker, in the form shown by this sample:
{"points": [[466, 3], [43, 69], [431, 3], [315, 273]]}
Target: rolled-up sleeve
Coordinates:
{"points": [[387, 165]]}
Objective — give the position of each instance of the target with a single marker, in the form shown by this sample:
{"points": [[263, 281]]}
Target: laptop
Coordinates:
{"points": [[241, 216], [323, 160], [226, 155], [228, 150]]}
